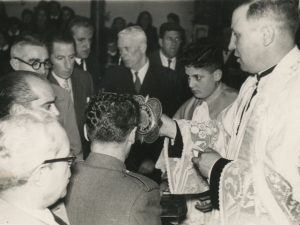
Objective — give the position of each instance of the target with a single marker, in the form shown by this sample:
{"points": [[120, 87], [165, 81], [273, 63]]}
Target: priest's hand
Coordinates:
{"points": [[168, 127], [146, 167], [206, 160]]}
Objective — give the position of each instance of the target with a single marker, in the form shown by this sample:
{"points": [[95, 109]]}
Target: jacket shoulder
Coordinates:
{"points": [[143, 182]]}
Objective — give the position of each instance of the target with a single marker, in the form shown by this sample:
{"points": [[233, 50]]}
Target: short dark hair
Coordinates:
{"points": [[15, 89], [59, 37], [205, 53], [79, 21], [170, 27], [174, 17], [111, 117], [282, 11]]}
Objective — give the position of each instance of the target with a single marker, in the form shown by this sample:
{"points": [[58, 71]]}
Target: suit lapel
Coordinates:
{"points": [[76, 87], [51, 79]]}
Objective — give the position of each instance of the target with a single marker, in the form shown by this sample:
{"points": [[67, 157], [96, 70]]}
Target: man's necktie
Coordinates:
{"points": [[66, 86], [258, 77], [169, 63], [137, 83]]}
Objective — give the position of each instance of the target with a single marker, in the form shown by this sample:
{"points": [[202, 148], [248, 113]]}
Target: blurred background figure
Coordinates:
{"points": [[117, 25], [3, 16], [27, 18], [145, 21], [53, 14], [4, 54], [41, 22], [14, 29], [174, 18], [66, 14]]}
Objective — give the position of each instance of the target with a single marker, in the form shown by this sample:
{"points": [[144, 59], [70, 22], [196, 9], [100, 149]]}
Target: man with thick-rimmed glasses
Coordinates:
{"points": [[35, 165], [29, 53]]}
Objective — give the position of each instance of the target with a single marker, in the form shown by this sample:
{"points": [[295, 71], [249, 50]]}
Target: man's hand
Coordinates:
{"points": [[168, 128], [206, 160], [163, 187], [146, 167]]}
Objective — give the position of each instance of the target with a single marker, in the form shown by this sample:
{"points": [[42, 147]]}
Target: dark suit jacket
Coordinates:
{"points": [[154, 57], [83, 89], [94, 67], [103, 192], [67, 116], [161, 83]]}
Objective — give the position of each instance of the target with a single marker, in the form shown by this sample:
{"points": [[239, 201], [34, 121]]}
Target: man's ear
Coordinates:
{"points": [[217, 75], [38, 176], [85, 132], [14, 64], [143, 47], [268, 33], [16, 108], [160, 42], [131, 137]]}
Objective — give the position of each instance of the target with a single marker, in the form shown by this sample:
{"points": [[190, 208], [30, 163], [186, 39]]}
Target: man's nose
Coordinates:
{"points": [[87, 44], [191, 83], [68, 63], [232, 45]]}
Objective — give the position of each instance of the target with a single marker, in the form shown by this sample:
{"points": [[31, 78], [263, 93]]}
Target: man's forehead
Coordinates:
{"points": [[64, 48], [37, 52], [81, 31], [126, 40], [172, 33], [239, 15]]}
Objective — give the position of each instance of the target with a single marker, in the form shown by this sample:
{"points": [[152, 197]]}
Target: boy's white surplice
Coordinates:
{"points": [[262, 184]]}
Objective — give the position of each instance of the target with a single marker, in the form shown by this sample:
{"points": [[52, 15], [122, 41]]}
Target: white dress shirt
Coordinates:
{"points": [[61, 81], [141, 73], [165, 62], [78, 61]]}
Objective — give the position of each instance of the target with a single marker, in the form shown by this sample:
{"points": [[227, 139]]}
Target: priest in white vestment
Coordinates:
{"points": [[258, 179]]}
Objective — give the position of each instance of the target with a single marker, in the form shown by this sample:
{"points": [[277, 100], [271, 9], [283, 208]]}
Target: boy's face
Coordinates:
{"points": [[201, 82]]}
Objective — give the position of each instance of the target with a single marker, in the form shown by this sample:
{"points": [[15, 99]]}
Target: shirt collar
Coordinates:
{"points": [[59, 79], [104, 161], [141, 72], [79, 61], [165, 62]]}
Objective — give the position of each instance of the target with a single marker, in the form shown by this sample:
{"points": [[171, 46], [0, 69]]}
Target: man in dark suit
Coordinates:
{"points": [[29, 53], [82, 31], [109, 194], [170, 38], [140, 76], [78, 83]]}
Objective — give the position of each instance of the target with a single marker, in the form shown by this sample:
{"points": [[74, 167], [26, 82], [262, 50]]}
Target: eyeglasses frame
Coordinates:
{"points": [[40, 63]]}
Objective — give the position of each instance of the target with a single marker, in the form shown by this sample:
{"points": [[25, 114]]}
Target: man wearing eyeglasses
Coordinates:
{"points": [[29, 53], [170, 38], [35, 167]]}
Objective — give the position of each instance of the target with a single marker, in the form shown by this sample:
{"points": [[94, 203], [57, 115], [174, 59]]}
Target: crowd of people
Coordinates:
{"points": [[68, 124]]}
